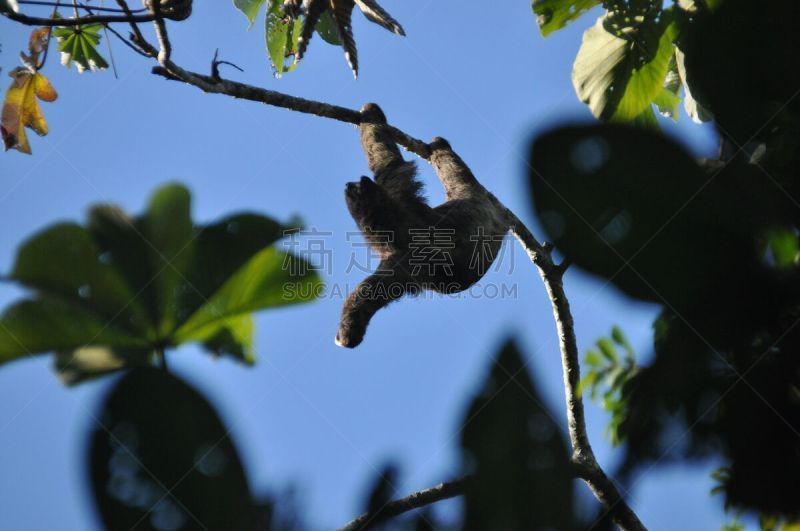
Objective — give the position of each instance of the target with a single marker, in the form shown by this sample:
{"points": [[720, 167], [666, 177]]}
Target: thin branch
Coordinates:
{"points": [[164, 46], [80, 5], [136, 35], [278, 99], [583, 458], [80, 21], [442, 491]]}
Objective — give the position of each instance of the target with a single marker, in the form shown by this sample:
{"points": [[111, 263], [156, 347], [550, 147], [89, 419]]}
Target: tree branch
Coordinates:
{"points": [[583, 458], [442, 491], [234, 89], [80, 21]]}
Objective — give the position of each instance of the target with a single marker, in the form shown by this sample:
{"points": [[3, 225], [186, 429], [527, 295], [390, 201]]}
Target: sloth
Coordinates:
{"points": [[445, 249]]}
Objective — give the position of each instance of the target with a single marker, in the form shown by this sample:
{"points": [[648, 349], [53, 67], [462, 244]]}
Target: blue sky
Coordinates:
{"points": [[310, 414]]}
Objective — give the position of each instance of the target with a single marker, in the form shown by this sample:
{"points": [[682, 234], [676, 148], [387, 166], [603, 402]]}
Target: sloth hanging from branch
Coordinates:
{"points": [[398, 224], [341, 12]]}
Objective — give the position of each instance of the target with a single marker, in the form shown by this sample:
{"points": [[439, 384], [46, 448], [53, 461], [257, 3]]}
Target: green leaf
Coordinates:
{"points": [[784, 248], [249, 8], [620, 74], [166, 237], [65, 262], [552, 15], [220, 250], [587, 382], [326, 28], [109, 295], [607, 349], [228, 337], [282, 34], [269, 279], [46, 325], [668, 104], [78, 44], [621, 339], [593, 358]]}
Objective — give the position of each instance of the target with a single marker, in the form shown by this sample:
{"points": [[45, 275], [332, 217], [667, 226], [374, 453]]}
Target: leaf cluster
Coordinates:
{"points": [[118, 291], [713, 242]]}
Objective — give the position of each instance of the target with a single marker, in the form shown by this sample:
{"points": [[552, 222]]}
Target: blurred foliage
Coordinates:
{"points": [[521, 476], [290, 25], [630, 64], [119, 290], [607, 372], [713, 242], [161, 459]]}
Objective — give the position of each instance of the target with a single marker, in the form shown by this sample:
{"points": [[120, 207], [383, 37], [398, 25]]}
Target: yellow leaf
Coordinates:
{"points": [[21, 110]]}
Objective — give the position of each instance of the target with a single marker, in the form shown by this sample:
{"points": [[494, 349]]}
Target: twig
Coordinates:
{"points": [[164, 46], [80, 5], [80, 21], [442, 491], [278, 99]]}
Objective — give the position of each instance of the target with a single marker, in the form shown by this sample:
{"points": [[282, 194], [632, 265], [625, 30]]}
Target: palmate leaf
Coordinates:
{"points": [[78, 44], [620, 69], [552, 15], [111, 294]]}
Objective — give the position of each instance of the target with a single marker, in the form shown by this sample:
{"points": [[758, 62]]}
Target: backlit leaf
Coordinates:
{"points": [[78, 44]]}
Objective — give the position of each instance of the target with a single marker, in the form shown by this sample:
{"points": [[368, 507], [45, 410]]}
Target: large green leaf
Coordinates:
{"points": [[271, 278], [228, 337], [220, 250], [166, 239], [249, 8], [46, 325], [65, 262], [282, 34], [521, 474], [620, 67], [552, 15], [78, 44], [110, 295]]}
